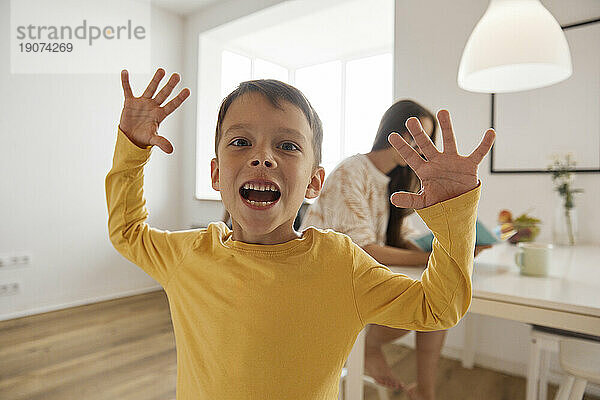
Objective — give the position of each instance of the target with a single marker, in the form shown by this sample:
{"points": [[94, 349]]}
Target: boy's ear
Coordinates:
{"points": [[214, 174], [316, 183]]}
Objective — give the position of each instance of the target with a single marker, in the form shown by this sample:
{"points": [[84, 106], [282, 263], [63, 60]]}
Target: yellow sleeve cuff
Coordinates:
{"points": [[127, 154], [458, 203]]}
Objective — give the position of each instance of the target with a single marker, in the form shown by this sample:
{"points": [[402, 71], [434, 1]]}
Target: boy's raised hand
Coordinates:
{"points": [[443, 175], [141, 116]]}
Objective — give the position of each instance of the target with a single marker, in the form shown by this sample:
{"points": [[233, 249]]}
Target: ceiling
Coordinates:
{"points": [[306, 32], [184, 7]]}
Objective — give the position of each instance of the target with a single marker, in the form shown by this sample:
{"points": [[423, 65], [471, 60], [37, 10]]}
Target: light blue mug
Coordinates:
{"points": [[533, 258]]}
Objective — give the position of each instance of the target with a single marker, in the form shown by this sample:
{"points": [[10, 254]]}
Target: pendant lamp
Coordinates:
{"points": [[517, 45]]}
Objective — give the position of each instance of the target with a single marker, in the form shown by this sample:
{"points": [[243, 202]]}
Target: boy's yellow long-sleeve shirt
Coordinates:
{"points": [[278, 321]]}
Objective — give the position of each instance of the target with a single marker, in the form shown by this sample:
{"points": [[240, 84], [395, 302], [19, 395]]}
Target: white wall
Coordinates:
{"points": [[58, 134], [430, 37]]}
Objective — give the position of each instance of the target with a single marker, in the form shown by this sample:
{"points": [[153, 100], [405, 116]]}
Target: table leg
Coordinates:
{"points": [[355, 365], [470, 340], [533, 370], [544, 369]]}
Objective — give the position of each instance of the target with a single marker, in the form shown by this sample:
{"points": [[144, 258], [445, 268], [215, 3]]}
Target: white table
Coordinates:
{"points": [[569, 298]]}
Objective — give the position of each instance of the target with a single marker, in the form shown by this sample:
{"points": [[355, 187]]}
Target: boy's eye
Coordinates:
{"points": [[289, 146], [240, 142]]}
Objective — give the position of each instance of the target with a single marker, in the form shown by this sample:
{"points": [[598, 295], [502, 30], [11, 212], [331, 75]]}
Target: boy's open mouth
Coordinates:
{"points": [[260, 194]]}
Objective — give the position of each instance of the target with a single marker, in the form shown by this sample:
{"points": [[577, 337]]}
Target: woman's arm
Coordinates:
{"points": [[412, 255], [389, 255], [407, 244]]}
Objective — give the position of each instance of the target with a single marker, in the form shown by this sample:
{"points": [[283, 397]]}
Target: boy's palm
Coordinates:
{"points": [[141, 116], [443, 175]]}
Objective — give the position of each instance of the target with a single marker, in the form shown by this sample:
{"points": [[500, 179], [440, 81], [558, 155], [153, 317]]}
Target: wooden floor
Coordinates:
{"points": [[125, 349]]}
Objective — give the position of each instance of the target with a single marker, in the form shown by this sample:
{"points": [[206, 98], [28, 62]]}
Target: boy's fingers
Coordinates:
{"points": [[421, 137], [484, 147], [158, 75], [176, 102], [448, 137], [167, 89], [412, 158], [125, 82]]}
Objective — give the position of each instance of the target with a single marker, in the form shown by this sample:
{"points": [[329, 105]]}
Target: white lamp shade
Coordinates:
{"points": [[517, 45]]}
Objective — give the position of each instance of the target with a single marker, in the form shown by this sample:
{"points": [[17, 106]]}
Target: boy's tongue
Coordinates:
{"points": [[260, 195]]}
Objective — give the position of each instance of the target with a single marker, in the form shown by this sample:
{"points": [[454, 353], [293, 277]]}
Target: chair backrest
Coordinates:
{"points": [[300, 215], [580, 357]]}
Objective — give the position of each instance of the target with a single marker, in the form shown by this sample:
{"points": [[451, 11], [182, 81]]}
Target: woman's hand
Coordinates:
{"points": [[141, 116], [443, 175]]}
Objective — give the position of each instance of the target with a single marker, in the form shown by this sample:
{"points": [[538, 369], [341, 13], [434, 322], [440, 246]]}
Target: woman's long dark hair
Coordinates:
{"points": [[402, 177]]}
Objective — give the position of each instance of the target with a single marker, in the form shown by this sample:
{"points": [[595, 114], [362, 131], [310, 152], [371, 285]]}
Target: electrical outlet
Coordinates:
{"points": [[4, 261], [10, 288], [10, 260]]}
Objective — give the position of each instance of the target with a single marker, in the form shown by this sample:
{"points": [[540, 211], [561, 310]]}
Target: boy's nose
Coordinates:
{"points": [[265, 161]]}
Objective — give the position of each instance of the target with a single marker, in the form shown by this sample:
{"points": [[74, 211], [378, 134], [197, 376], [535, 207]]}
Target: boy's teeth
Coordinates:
{"points": [[260, 203], [260, 186]]}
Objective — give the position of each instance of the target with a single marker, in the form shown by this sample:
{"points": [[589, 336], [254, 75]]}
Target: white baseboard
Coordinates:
{"points": [[83, 302], [500, 365]]}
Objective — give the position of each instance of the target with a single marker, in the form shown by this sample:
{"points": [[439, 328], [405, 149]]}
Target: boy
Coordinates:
{"points": [[262, 311]]}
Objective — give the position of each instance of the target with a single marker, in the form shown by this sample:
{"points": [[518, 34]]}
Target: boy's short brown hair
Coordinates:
{"points": [[275, 91]]}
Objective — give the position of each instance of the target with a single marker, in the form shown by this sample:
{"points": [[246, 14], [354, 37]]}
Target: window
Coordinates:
{"points": [[268, 70], [368, 96], [322, 86], [350, 96], [234, 69]]}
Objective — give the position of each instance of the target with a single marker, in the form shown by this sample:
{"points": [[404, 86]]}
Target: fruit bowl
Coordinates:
{"points": [[524, 228], [526, 232]]}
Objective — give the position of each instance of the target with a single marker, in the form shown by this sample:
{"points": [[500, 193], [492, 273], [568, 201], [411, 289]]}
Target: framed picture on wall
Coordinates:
{"points": [[534, 125]]}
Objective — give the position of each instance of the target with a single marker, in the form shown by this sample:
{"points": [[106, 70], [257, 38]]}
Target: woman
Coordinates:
{"points": [[364, 182]]}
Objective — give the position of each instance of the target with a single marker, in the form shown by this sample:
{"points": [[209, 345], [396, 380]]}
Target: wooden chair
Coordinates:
{"points": [[580, 359], [382, 391], [543, 342]]}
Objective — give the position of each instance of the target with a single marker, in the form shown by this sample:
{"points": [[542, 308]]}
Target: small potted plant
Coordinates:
{"points": [[565, 221]]}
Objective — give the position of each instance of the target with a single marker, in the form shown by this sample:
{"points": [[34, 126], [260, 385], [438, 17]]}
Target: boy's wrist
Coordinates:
{"points": [[131, 140]]}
